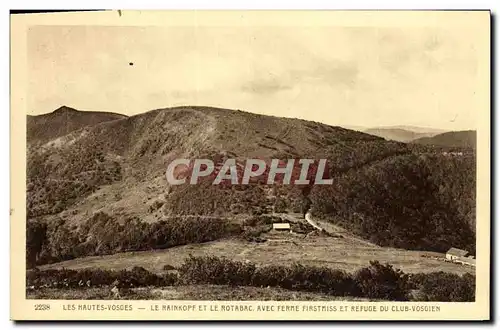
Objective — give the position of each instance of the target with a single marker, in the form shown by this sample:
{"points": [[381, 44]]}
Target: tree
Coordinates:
{"points": [[382, 282], [306, 205], [36, 236]]}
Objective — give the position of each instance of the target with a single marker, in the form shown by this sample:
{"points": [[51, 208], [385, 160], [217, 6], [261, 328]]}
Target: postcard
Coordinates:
{"points": [[250, 165]]}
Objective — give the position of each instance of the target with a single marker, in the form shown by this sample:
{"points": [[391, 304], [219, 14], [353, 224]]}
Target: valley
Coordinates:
{"points": [[338, 250], [98, 196]]}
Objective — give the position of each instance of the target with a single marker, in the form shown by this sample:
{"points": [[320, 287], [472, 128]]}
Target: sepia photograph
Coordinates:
{"points": [[252, 157]]}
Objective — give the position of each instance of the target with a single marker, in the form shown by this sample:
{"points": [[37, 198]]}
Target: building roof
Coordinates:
{"points": [[457, 252], [283, 225]]}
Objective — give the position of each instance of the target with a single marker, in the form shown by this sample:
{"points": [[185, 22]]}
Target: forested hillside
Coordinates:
{"points": [[395, 194]]}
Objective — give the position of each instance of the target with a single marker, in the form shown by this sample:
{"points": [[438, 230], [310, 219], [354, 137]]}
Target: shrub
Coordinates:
{"points": [[36, 234], [302, 227], [382, 282], [376, 281], [322, 279], [222, 271], [138, 276], [214, 270], [169, 279], [255, 232], [272, 276], [280, 205], [441, 286], [237, 208], [306, 278]]}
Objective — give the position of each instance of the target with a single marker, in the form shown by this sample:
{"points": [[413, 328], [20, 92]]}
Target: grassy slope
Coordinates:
{"points": [[345, 253]]}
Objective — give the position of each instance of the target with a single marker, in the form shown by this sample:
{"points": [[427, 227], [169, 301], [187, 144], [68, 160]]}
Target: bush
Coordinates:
{"points": [[138, 276], [322, 279], [280, 205], [254, 232], [222, 271], [376, 281], [272, 276], [237, 208], [36, 234], [306, 278], [441, 286], [382, 282], [214, 270], [302, 227]]}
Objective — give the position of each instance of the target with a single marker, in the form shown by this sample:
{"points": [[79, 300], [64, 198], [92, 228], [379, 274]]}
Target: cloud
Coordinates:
{"points": [[335, 73], [322, 74], [266, 86], [415, 51]]}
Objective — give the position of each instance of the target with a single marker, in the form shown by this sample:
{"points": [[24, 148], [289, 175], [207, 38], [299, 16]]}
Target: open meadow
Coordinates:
{"points": [[347, 254]]}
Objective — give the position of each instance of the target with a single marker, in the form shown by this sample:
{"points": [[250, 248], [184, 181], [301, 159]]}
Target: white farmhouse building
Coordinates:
{"points": [[282, 226], [454, 253]]}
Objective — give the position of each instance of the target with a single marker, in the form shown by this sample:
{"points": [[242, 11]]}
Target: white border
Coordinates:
{"points": [[193, 4]]}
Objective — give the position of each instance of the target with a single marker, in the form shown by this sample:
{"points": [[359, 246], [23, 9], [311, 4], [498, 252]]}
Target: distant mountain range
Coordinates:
{"points": [[460, 139], [398, 134], [422, 135]]}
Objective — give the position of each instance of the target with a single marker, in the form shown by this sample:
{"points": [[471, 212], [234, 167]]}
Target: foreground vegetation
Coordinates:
{"points": [[186, 292], [376, 281]]}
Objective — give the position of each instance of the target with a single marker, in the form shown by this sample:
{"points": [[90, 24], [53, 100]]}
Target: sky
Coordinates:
{"points": [[348, 76]]}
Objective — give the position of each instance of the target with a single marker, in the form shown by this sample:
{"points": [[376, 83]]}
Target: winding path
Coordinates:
{"points": [[309, 219], [345, 234]]}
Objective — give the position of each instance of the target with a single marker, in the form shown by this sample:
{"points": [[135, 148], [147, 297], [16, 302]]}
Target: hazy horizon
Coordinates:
{"points": [[352, 127], [344, 76]]}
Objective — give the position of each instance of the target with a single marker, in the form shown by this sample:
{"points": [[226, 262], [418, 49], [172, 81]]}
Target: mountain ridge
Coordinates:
{"points": [[118, 167], [461, 139], [62, 121], [397, 134]]}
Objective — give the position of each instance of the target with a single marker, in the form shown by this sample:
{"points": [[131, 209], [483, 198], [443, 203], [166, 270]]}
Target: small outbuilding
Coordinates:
{"points": [[454, 253], [281, 226]]}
